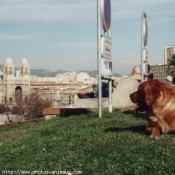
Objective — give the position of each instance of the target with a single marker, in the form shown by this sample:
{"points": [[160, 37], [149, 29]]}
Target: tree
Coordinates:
{"points": [[35, 105], [16, 110], [171, 68], [5, 110], [172, 61], [31, 108], [2, 109]]}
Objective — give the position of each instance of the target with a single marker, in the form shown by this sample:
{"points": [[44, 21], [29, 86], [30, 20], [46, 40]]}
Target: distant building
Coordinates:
{"points": [[160, 72], [65, 78], [62, 89], [169, 51], [72, 77], [60, 94]]}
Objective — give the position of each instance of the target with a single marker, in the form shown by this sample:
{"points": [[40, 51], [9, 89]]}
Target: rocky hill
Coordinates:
{"points": [[47, 73]]}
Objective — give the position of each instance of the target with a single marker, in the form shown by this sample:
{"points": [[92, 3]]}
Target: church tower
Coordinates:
{"points": [[24, 69], [8, 81], [9, 68], [16, 84], [24, 76]]}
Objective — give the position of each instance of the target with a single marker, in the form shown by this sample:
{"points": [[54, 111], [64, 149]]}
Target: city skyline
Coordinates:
{"points": [[62, 34]]}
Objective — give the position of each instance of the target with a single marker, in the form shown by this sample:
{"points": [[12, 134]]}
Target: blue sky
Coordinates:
{"points": [[62, 34]]}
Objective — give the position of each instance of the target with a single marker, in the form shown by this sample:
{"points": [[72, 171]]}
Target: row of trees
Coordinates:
{"points": [[29, 109]]}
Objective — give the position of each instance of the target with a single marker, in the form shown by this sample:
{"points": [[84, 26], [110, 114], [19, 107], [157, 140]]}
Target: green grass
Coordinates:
{"points": [[116, 144]]}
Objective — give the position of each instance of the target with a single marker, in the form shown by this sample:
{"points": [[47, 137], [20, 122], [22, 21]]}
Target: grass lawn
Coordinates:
{"points": [[116, 144]]}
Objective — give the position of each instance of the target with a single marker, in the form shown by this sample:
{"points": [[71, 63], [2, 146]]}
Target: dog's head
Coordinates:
{"points": [[146, 94]]}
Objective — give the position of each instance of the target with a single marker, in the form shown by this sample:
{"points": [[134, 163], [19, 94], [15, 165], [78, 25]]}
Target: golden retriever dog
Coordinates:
{"points": [[158, 100]]}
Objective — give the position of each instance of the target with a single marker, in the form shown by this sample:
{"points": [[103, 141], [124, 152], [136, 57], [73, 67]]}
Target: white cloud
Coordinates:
{"points": [[58, 15], [77, 11], [40, 11], [17, 37], [126, 10], [94, 45]]}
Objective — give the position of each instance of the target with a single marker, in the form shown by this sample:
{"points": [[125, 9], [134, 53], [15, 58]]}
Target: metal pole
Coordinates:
{"points": [[110, 96], [99, 57], [110, 87], [142, 78], [144, 61], [142, 40]]}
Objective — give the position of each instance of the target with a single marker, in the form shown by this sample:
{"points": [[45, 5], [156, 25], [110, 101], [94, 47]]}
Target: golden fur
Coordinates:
{"points": [[158, 100]]}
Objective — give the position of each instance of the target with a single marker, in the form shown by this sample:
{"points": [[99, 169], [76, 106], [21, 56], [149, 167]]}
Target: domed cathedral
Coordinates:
{"points": [[15, 83]]}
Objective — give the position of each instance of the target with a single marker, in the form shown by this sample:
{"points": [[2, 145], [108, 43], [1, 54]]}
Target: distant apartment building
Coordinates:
{"points": [[63, 88], [66, 78], [72, 77], [169, 51], [60, 94]]}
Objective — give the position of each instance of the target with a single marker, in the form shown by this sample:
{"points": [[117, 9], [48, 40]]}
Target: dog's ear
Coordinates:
{"points": [[152, 92], [134, 97]]}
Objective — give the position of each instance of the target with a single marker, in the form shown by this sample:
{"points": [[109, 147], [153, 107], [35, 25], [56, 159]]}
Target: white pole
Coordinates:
{"points": [[110, 88], [99, 57], [144, 59], [110, 96], [142, 45]]}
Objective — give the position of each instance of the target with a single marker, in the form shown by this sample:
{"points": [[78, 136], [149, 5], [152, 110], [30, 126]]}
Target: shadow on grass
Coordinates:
{"points": [[136, 129], [66, 112], [137, 115]]}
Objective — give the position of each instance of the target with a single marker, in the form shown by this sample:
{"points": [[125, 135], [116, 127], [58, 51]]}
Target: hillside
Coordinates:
{"points": [[84, 144], [47, 73]]}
